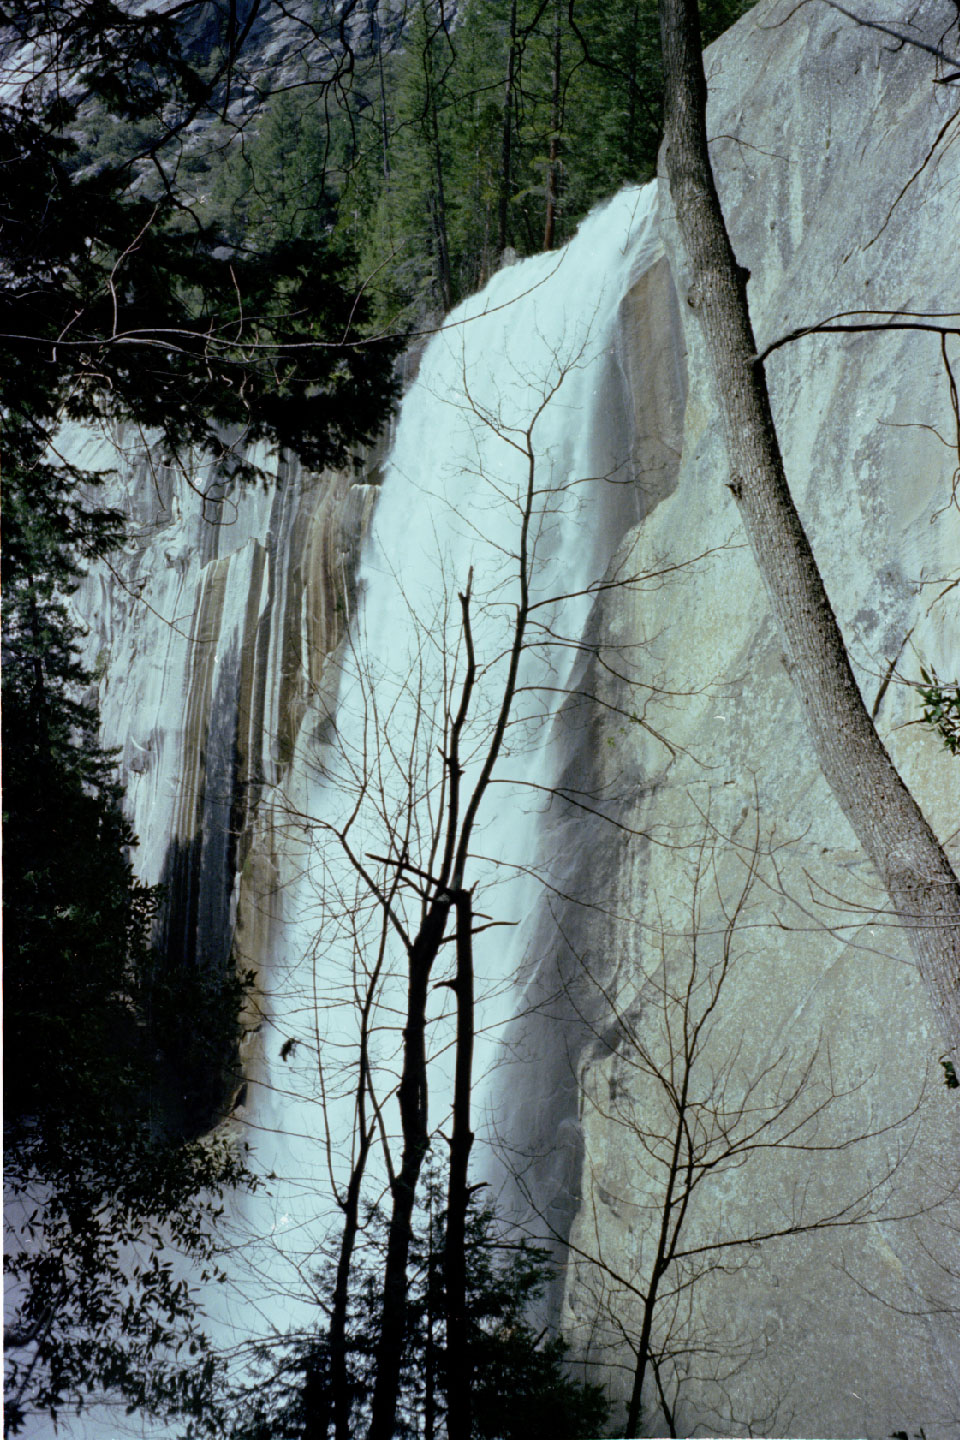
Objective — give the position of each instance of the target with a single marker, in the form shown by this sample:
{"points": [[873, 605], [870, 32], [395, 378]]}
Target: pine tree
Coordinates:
{"points": [[482, 136], [410, 231], [475, 121], [119, 299], [95, 1166], [115, 300], [520, 1386]]}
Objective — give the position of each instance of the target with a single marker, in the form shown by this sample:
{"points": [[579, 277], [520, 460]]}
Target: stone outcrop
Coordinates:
{"points": [[209, 634], [836, 160]]}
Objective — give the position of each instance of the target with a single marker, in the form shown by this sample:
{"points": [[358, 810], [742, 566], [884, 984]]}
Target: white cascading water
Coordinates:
{"points": [[534, 354]]}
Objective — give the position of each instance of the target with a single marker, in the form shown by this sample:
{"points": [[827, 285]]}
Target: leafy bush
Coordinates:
{"points": [[941, 708]]}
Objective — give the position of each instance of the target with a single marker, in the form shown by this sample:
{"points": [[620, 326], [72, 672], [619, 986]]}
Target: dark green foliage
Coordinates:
{"points": [[98, 1182], [102, 1258], [279, 187], [452, 158], [114, 305], [941, 708], [189, 284], [520, 1385], [119, 298], [441, 151], [100, 1185]]}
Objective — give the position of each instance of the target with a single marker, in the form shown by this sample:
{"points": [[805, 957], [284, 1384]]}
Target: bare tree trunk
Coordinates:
{"points": [[412, 1097], [430, 1353], [506, 159], [459, 1377], [669, 1230], [887, 821], [553, 168], [339, 1373]]}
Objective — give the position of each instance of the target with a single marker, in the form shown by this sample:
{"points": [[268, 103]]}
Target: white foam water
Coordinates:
{"points": [[520, 381], [523, 383]]}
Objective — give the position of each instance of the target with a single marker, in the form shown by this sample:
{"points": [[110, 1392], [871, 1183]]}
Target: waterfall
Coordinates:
{"points": [[525, 374], [257, 669], [246, 751]]}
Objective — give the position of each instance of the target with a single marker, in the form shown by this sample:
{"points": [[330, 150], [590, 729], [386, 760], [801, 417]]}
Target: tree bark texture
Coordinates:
{"points": [[339, 1375], [672, 1214], [459, 1375], [922, 886], [412, 1097], [553, 167], [339, 1371]]}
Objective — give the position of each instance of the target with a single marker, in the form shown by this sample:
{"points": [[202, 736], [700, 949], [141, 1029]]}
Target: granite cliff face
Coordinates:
{"points": [[697, 840], [209, 634], [836, 161]]}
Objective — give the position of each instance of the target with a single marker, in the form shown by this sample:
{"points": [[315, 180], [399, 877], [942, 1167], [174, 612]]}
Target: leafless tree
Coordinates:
{"points": [[687, 1104], [411, 754], [415, 770]]}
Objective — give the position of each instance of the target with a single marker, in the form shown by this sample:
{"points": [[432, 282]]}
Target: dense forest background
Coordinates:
{"points": [[439, 139]]}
